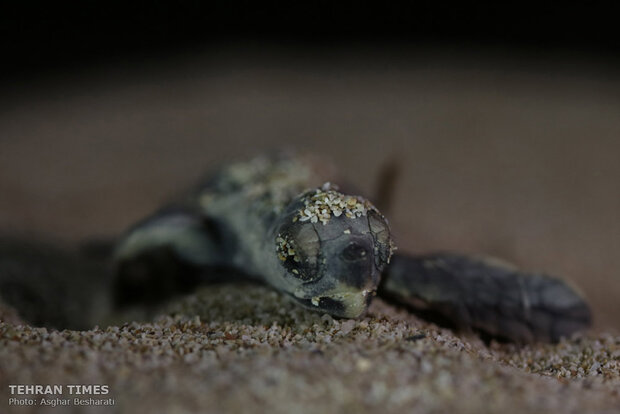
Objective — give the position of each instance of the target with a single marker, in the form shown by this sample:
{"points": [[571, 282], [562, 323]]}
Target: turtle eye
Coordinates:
{"points": [[354, 252]]}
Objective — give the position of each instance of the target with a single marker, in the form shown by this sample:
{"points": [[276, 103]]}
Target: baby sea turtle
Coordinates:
{"points": [[280, 220]]}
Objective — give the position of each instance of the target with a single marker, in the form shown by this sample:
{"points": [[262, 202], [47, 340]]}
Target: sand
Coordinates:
{"points": [[245, 348]]}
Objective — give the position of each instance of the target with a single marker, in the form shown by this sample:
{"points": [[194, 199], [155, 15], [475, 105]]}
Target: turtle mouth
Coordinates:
{"points": [[329, 305], [344, 305]]}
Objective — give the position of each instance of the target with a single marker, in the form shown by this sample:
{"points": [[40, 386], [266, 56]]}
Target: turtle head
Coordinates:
{"points": [[333, 248]]}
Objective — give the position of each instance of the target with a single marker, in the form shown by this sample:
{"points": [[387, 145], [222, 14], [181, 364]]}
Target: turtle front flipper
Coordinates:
{"points": [[168, 253], [486, 295]]}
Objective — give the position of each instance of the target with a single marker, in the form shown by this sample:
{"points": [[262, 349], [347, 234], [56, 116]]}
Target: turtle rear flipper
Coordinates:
{"points": [[170, 252], [486, 295], [50, 284]]}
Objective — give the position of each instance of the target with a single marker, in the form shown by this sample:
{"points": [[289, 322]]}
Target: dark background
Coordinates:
{"points": [[504, 119], [58, 35]]}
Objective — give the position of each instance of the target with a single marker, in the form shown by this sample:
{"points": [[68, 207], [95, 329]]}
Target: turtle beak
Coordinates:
{"points": [[342, 301]]}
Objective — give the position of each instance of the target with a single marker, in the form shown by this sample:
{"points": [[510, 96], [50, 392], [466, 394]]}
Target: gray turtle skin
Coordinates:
{"points": [[279, 221], [486, 295], [273, 219], [46, 283]]}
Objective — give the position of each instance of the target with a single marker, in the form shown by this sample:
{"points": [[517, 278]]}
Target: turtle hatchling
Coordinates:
{"points": [[281, 221], [284, 221]]}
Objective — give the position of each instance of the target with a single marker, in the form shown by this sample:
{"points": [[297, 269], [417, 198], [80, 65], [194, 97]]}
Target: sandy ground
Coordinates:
{"points": [[265, 354]]}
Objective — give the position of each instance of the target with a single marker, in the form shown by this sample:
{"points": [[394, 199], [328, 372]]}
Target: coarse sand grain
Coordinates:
{"points": [[245, 348]]}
